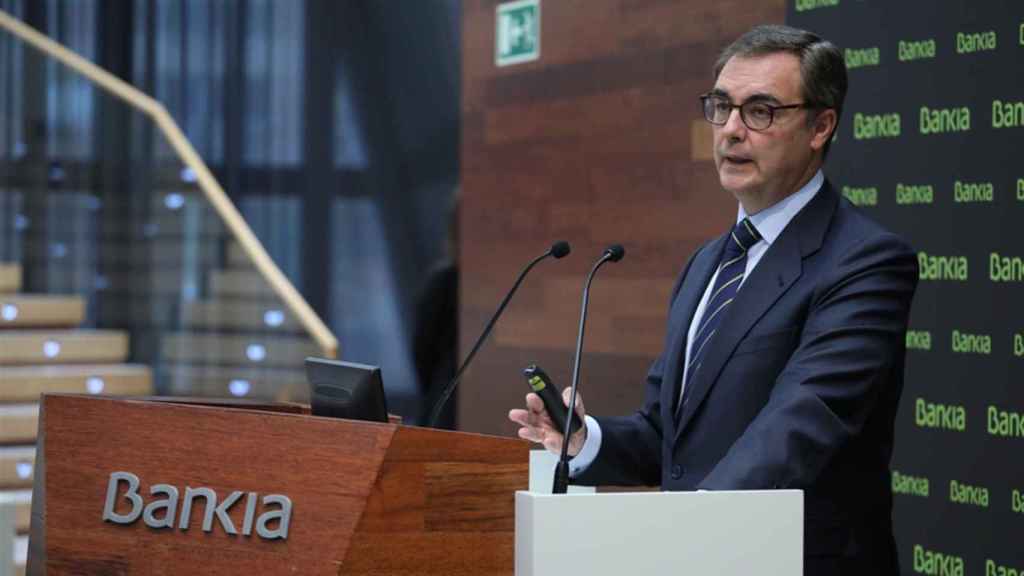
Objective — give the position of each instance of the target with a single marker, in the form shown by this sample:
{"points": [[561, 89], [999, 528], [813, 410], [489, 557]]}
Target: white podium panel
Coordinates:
{"points": [[542, 474], [671, 533]]}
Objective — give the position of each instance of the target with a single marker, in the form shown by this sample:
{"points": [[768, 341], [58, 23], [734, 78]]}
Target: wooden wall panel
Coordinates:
{"points": [[599, 141]]}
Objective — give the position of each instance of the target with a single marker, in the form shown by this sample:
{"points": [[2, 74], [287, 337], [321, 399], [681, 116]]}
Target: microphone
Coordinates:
{"points": [[613, 253], [558, 250]]}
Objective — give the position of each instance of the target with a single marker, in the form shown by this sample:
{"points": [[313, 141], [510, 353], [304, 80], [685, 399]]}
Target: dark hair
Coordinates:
{"points": [[822, 67]]}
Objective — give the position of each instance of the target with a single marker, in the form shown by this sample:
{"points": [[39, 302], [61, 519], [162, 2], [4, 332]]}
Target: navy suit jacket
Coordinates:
{"points": [[799, 388]]}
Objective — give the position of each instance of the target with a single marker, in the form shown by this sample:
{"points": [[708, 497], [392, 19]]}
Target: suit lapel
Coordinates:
{"points": [[683, 307], [778, 269]]}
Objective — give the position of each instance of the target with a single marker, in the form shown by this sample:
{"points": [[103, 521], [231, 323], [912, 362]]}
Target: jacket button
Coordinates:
{"points": [[677, 471]]}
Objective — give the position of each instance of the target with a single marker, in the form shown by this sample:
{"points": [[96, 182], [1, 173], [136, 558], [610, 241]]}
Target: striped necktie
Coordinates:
{"points": [[727, 284]]}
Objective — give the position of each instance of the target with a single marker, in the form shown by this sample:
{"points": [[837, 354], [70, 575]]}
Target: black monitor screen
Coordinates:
{"points": [[345, 390]]}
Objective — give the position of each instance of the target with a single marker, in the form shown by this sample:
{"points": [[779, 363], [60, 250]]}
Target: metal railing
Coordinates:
{"points": [[141, 229]]}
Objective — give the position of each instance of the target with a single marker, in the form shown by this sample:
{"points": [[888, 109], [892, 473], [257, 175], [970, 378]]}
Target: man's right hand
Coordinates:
{"points": [[537, 426]]}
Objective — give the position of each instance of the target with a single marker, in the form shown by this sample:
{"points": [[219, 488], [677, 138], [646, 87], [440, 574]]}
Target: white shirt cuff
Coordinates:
{"points": [[591, 446]]}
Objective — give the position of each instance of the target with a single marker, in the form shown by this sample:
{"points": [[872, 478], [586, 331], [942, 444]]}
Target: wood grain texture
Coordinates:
{"points": [[701, 141], [86, 439], [18, 423], [445, 504], [22, 509], [17, 466], [27, 383], [10, 277], [599, 141], [41, 311], [74, 346], [368, 498], [236, 404]]}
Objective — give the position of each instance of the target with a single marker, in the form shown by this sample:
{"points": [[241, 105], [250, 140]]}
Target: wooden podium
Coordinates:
{"points": [[364, 498]]}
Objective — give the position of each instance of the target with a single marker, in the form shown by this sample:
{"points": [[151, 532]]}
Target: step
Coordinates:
{"points": [[162, 281], [40, 310], [10, 278], [26, 383], [22, 508], [137, 310], [239, 315], [280, 384], [62, 346], [114, 230], [18, 423], [17, 465], [195, 213], [162, 252], [237, 258], [230, 349], [248, 283]]}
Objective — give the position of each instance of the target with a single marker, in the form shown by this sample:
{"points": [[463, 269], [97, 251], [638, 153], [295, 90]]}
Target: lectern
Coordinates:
{"points": [[151, 487], [660, 533]]}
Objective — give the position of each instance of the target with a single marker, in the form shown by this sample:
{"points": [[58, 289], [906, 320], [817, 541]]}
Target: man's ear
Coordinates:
{"points": [[823, 128]]}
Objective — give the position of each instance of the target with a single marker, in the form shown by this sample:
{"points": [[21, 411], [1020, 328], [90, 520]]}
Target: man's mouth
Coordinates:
{"points": [[736, 160]]}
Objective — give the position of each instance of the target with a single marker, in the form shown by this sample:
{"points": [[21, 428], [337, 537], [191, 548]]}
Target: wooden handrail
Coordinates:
{"points": [[234, 221]]}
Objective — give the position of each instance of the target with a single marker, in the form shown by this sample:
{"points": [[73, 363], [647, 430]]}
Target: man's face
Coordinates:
{"points": [[762, 167]]}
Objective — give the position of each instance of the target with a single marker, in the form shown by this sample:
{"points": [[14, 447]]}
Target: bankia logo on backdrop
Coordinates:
{"points": [[930, 144]]}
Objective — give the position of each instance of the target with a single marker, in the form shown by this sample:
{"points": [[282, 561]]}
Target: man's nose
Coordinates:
{"points": [[734, 128]]}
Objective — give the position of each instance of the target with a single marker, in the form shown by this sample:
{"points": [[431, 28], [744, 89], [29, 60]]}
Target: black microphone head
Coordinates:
{"points": [[560, 249], [615, 252]]}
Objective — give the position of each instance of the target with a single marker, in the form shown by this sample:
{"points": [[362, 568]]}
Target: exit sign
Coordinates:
{"points": [[517, 33]]}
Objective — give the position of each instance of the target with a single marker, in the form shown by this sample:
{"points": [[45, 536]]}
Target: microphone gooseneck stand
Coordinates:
{"points": [[558, 250], [613, 253]]}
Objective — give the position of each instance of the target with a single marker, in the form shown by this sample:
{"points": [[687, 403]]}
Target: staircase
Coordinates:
{"points": [[197, 310], [42, 352], [239, 341]]}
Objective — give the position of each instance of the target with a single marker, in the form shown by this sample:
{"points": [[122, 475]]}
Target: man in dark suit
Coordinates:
{"points": [[783, 361]]}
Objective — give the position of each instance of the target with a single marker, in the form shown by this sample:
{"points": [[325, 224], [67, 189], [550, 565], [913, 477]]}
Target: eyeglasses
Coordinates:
{"points": [[756, 114]]}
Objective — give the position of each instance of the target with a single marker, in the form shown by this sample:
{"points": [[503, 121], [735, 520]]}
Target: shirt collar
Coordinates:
{"points": [[771, 221]]}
